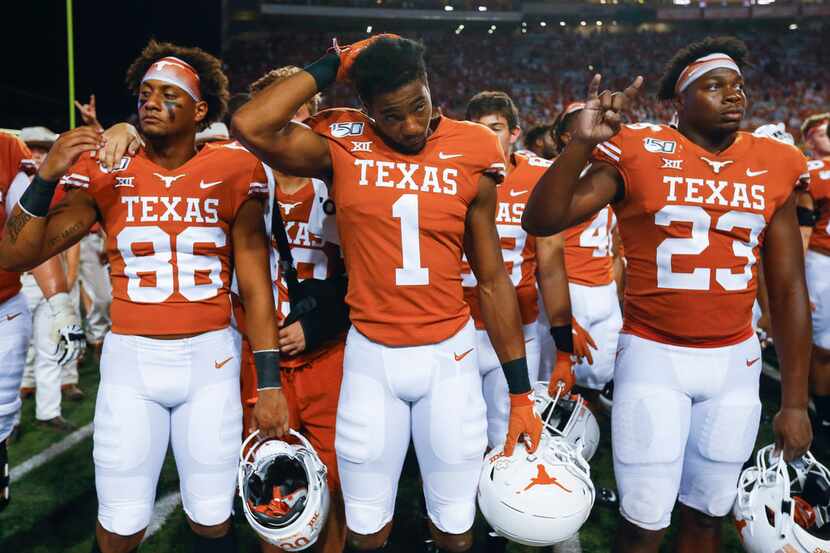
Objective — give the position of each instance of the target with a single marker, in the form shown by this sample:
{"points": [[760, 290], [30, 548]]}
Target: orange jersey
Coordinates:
{"points": [[518, 248], [692, 222], [169, 236], [820, 191], [14, 157], [588, 250], [401, 220], [314, 257]]}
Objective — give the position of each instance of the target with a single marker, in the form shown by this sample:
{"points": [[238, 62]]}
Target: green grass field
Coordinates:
{"points": [[54, 506]]}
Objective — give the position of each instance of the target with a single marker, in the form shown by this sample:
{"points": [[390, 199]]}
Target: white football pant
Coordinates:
{"points": [[42, 369], [431, 394], [817, 267], [15, 332], [684, 422], [494, 385], [153, 393], [597, 309], [95, 279]]}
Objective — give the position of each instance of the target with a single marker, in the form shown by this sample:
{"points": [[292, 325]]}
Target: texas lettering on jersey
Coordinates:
{"points": [[169, 236], [518, 248], [14, 158], [820, 191], [401, 220], [692, 223]]}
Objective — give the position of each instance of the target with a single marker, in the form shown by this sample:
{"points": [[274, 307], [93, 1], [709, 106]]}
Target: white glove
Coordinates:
{"points": [[777, 131], [66, 329]]}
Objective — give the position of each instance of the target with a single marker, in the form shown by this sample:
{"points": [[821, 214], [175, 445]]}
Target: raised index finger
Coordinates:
{"points": [[632, 90], [593, 87]]}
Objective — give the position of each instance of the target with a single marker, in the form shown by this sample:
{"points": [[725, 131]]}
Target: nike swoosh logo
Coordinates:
{"points": [[219, 365], [442, 155], [12, 317], [514, 193], [463, 355], [750, 173], [203, 185], [752, 362]]}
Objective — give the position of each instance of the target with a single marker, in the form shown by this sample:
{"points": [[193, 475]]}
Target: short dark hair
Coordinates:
{"points": [[534, 134], [729, 45], [386, 65], [492, 102], [212, 80], [561, 125]]}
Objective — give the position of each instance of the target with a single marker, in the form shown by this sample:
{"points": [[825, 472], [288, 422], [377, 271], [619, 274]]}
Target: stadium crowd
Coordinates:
{"points": [[543, 72]]}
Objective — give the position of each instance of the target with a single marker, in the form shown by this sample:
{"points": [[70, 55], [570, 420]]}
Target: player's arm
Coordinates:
{"points": [[66, 329], [791, 327], [562, 199], [264, 126], [500, 311], [805, 210], [618, 264], [250, 251], [33, 233], [73, 264], [570, 339]]}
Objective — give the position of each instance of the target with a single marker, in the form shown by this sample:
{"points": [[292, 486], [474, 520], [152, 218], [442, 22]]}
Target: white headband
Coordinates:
{"points": [[699, 67], [175, 71]]}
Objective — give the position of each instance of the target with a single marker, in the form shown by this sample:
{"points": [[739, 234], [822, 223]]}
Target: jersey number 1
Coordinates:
{"points": [[405, 208]]}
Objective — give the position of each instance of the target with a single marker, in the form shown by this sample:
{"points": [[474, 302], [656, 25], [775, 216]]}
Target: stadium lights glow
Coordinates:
{"points": [[448, 8], [524, 31], [583, 23], [682, 2], [562, 23], [482, 8], [492, 27], [369, 29], [765, 2], [543, 23], [614, 22], [490, 31], [599, 23], [793, 26], [524, 23]]}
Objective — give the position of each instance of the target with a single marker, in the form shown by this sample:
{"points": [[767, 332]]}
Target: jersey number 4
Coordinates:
{"points": [[158, 266], [699, 278]]}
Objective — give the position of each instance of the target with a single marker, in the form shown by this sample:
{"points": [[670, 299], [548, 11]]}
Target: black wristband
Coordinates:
{"points": [[806, 217], [267, 369], [563, 337], [36, 199], [515, 372], [324, 70]]}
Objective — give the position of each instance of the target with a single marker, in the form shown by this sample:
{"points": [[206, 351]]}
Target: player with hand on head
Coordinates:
{"points": [[814, 214], [177, 223], [697, 206], [412, 192]]}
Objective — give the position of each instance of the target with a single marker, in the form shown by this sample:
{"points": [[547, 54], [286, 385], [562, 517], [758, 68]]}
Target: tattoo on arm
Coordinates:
{"points": [[16, 223], [66, 233]]}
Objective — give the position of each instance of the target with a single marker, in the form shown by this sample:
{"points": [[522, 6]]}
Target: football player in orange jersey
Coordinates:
{"points": [[526, 259], [697, 205], [15, 319], [412, 192], [177, 224], [312, 346], [814, 212], [590, 260]]}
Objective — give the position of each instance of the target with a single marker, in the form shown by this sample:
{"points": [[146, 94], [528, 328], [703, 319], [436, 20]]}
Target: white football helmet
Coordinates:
{"points": [[284, 491], [536, 499], [567, 417], [784, 506], [777, 131]]}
